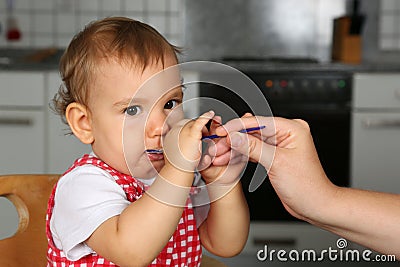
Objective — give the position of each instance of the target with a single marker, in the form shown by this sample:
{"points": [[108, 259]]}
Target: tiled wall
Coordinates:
{"points": [[389, 25], [46, 23]]}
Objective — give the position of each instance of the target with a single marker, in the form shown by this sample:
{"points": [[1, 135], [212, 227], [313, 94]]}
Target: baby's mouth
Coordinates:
{"points": [[155, 154], [155, 151]]}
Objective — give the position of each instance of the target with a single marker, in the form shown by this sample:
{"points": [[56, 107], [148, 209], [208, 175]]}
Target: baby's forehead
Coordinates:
{"points": [[156, 71], [167, 63], [152, 91], [164, 78], [155, 76]]}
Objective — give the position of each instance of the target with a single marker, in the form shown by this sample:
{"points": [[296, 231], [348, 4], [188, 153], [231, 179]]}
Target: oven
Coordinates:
{"points": [[323, 99]]}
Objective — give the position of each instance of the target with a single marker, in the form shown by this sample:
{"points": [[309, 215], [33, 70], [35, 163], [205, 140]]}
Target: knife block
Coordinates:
{"points": [[346, 47]]}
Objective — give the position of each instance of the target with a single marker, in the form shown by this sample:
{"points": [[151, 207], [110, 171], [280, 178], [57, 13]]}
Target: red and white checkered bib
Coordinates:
{"points": [[183, 249]]}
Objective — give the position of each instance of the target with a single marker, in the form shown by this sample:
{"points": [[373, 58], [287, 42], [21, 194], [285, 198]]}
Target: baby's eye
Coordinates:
{"points": [[171, 104], [133, 110]]}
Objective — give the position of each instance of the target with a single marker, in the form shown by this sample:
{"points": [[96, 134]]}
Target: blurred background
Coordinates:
{"points": [[214, 29]]}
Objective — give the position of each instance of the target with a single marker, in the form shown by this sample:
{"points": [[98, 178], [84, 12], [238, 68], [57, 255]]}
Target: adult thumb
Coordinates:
{"points": [[253, 147]]}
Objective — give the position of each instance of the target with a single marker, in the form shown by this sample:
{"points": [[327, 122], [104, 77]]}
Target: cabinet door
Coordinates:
{"points": [[22, 141], [63, 149], [376, 90], [376, 151], [21, 89]]}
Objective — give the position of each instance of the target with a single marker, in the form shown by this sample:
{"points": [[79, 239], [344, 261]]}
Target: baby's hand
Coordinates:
{"points": [[182, 144], [220, 163]]}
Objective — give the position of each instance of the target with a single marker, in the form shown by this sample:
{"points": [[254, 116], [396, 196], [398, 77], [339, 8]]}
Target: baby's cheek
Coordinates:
{"points": [[133, 145], [174, 117]]}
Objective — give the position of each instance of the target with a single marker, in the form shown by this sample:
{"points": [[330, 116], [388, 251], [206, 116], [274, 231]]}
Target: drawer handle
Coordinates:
{"points": [[16, 121], [369, 124]]}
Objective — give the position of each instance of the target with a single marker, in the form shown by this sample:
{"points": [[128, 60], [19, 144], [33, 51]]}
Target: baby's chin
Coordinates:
{"points": [[148, 172], [157, 166]]}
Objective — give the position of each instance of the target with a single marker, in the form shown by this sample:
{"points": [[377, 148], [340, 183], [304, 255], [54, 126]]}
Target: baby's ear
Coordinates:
{"points": [[78, 118]]}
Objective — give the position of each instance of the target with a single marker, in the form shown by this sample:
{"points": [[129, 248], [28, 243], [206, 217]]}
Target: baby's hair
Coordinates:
{"points": [[114, 38]]}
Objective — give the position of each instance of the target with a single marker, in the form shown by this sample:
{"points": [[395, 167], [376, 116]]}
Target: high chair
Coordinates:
{"points": [[28, 246]]}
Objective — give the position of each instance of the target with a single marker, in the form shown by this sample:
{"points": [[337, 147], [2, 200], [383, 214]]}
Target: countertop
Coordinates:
{"points": [[48, 59], [247, 67], [27, 59]]}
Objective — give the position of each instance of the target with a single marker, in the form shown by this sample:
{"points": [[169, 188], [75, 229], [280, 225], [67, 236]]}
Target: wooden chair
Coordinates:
{"points": [[29, 194], [27, 247]]}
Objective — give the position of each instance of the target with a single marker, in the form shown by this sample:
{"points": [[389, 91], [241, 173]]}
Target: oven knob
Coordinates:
{"points": [[305, 83], [341, 84], [283, 83], [269, 83]]}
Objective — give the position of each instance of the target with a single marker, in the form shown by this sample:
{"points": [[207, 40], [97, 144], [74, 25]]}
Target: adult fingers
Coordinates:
{"points": [[248, 122], [253, 147], [276, 128]]}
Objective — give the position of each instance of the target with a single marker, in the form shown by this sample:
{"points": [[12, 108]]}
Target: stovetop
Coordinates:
{"points": [[292, 64], [260, 64], [270, 60]]}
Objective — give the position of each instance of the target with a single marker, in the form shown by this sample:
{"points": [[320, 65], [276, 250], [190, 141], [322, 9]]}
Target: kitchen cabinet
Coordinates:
{"points": [[375, 150], [62, 148], [33, 138], [22, 122], [22, 132]]}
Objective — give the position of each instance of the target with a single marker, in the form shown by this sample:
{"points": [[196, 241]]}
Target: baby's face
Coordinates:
{"points": [[130, 115]]}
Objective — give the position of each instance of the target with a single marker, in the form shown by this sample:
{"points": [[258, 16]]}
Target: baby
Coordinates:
{"points": [[106, 209]]}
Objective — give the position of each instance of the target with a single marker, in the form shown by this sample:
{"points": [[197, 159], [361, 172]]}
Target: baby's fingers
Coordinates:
{"points": [[215, 123], [201, 121]]}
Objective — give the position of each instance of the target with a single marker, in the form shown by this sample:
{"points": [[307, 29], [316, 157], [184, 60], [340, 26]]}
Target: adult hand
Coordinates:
{"points": [[286, 149]]}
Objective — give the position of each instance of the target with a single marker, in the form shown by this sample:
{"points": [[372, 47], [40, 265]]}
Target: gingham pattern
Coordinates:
{"points": [[183, 249]]}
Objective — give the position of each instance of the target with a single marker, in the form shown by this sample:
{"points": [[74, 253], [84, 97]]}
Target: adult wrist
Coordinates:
{"points": [[323, 212]]}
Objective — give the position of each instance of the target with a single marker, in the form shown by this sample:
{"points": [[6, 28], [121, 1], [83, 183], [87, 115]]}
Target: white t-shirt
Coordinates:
{"points": [[86, 197]]}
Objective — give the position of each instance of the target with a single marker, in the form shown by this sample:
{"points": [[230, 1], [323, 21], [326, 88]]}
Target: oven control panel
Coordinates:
{"points": [[307, 87]]}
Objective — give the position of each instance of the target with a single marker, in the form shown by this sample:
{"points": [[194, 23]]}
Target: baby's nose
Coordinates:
{"points": [[157, 125]]}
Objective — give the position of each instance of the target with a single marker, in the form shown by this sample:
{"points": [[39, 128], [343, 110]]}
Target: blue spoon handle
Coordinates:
{"points": [[241, 131]]}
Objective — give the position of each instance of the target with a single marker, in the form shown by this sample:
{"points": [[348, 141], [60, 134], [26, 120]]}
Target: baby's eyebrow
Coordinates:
{"points": [[129, 101], [124, 102], [175, 93]]}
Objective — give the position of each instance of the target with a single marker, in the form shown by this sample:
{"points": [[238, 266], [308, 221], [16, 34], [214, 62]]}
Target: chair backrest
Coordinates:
{"points": [[29, 194]]}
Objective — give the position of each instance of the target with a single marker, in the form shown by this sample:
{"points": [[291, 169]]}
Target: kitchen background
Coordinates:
{"points": [[45, 23], [213, 29], [366, 94]]}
